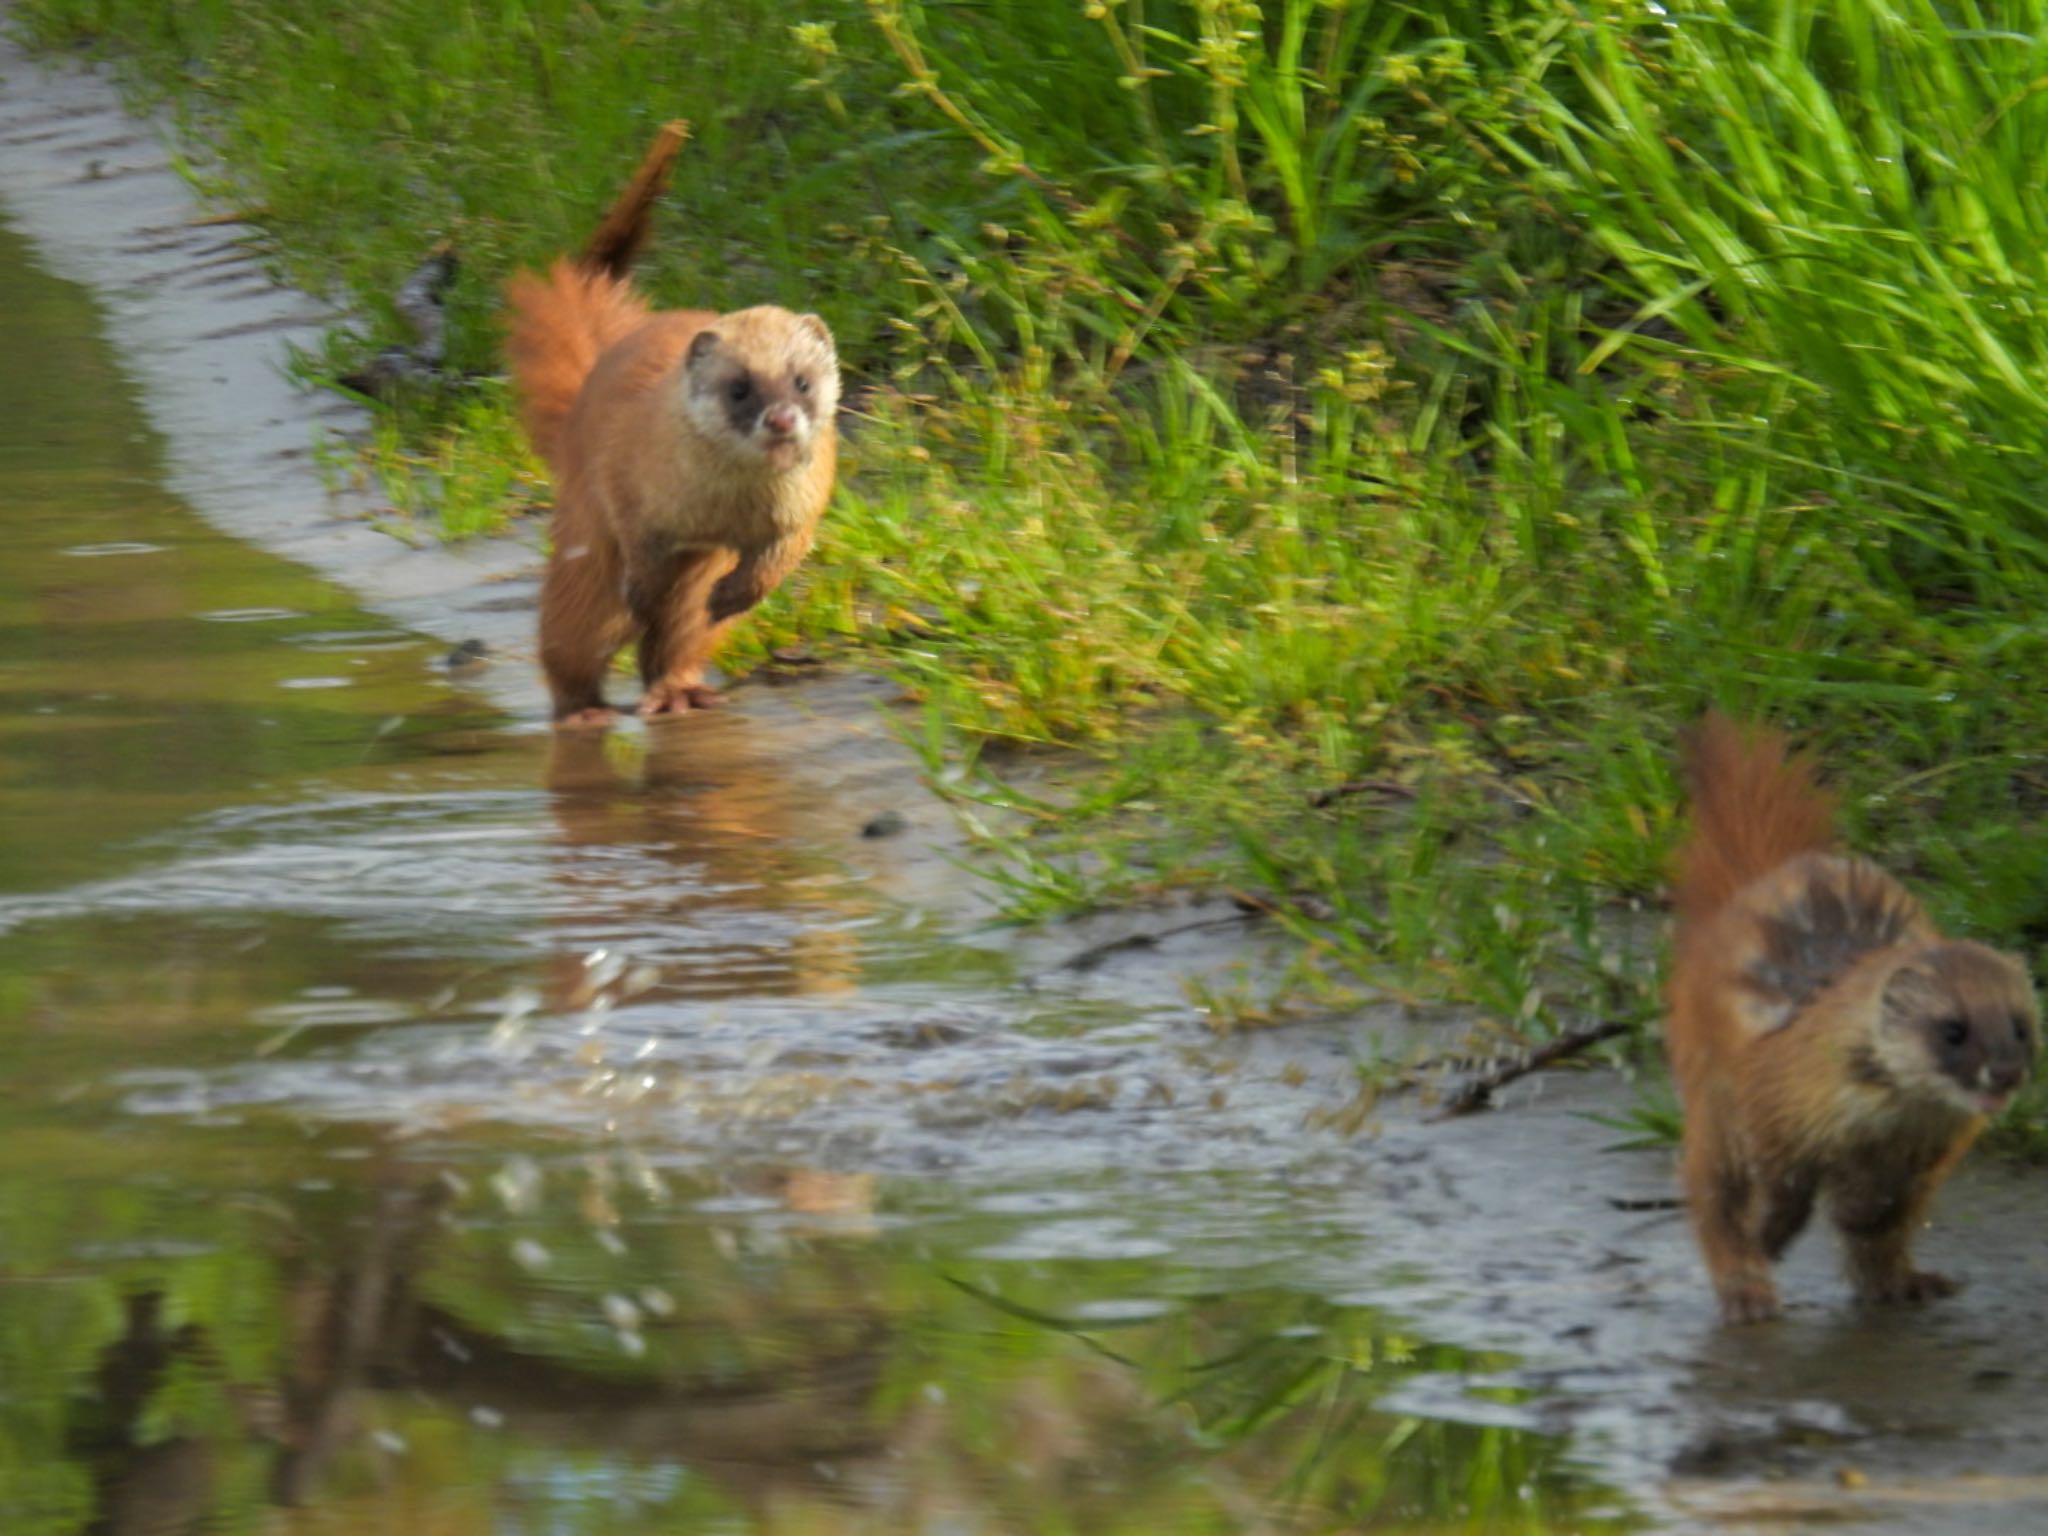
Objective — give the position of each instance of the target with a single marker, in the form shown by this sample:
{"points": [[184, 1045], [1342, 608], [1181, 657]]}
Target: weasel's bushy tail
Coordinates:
{"points": [[1753, 806], [561, 324], [616, 245], [563, 321]]}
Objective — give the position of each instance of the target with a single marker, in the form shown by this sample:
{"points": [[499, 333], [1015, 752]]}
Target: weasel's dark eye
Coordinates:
{"points": [[2019, 1028], [1953, 1031], [739, 389], [803, 383]]}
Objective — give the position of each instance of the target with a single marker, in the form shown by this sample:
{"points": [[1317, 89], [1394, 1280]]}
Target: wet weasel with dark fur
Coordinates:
{"points": [[1828, 1042], [692, 453]]}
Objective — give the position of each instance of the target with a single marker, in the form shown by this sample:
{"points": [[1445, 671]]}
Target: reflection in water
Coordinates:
{"points": [[707, 826], [755, 1367], [140, 1484], [306, 1228]]}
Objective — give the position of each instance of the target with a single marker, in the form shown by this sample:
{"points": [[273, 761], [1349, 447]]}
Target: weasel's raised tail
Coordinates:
{"points": [[1753, 807], [692, 454], [1827, 1040], [563, 322]]}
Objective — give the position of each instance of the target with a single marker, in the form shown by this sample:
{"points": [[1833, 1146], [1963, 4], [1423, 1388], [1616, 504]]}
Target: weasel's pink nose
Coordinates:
{"points": [[780, 419]]}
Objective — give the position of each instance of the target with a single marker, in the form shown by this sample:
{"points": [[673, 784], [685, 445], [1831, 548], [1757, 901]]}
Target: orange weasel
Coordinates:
{"points": [[1827, 1040], [692, 454]]}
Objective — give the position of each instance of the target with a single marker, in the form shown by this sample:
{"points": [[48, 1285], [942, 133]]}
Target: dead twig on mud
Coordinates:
{"points": [[1088, 959], [1392, 789], [1478, 1092]]}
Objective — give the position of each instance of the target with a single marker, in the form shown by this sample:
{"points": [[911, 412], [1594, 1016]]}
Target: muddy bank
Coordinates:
{"points": [[834, 1003], [205, 331]]}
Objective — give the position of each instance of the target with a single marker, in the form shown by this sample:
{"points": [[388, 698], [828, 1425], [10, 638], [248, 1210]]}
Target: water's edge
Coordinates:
{"points": [[1517, 1229], [205, 331]]}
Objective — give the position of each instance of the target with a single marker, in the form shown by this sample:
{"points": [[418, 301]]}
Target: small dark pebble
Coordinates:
{"points": [[888, 824], [468, 654], [1082, 1061], [924, 1034]]}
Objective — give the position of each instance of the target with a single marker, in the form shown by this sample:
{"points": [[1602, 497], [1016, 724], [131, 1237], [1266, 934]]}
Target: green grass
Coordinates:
{"points": [[1264, 397]]}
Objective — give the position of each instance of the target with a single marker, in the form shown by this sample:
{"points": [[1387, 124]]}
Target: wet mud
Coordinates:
{"points": [[409, 1114]]}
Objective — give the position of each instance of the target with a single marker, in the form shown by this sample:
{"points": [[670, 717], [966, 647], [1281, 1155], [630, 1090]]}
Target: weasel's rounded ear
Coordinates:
{"points": [[702, 345], [815, 328], [1914, 990]]}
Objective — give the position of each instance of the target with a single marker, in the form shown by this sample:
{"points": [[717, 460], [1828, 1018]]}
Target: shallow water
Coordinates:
{"points": [[410, 1121]]}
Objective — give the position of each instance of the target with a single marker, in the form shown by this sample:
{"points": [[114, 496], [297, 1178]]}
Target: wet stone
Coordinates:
{"points": [[887, 824]]}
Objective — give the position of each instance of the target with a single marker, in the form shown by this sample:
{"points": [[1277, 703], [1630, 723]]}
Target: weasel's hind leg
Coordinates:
{"points": [[1727, 1215], [583, 622]]}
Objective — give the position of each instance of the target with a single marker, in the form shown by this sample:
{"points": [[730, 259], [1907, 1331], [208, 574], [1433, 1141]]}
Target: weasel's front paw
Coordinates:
{"points": [[661, 699], [1749, 1301], [1910, 1287]]}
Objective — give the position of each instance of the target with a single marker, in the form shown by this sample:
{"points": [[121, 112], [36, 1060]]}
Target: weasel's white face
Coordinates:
{"points": [[1960, 1025], [765, 384]]}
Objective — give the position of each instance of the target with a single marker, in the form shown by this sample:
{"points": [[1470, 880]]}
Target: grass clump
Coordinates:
{"points": [[1272, 397]]}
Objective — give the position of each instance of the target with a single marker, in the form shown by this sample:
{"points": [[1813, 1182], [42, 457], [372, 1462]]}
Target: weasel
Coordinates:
{"points": [[1827, 1040], [692, 455]]}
